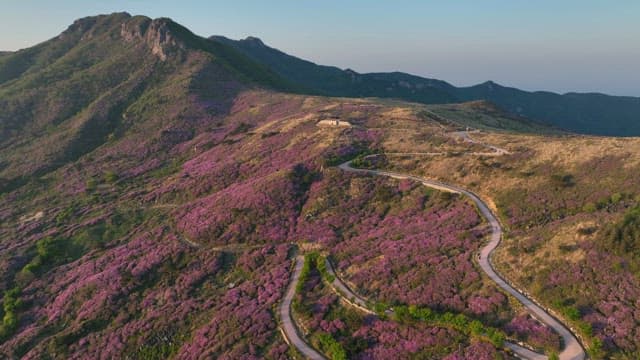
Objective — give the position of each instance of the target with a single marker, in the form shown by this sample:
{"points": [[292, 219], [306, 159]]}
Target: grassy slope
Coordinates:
{"points": [[563, 198], [67, 96], [486, 116]]}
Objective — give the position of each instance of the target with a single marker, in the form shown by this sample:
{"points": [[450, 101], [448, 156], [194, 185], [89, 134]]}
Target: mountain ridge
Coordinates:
{"points": [[589, 113], [68, 95]]}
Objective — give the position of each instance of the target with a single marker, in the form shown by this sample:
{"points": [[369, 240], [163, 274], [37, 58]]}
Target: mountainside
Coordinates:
{"points": [[332, 81], [485, 115], [103, 76], [583, 113], [158, 188]]}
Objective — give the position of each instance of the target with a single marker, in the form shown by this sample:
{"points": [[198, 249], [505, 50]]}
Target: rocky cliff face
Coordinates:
{"points": [[153, 33]]}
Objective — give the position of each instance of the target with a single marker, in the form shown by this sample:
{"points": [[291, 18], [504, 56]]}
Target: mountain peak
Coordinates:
{"points": [[490, 85], [160, 34], [254, 41], [88, 27]]}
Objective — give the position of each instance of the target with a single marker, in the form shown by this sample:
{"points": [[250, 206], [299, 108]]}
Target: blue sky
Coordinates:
{"points": [[560, 45]]}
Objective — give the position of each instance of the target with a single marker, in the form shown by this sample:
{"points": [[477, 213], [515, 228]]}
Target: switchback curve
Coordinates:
{"points": [[572, 350]]}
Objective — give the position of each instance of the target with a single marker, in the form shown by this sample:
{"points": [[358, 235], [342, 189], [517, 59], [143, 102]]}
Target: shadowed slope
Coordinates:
{"points": [[71, 94]]}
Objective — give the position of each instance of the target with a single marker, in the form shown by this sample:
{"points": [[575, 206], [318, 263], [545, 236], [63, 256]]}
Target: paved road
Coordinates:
{"points": [[573, 349], [343, 290], [288, 325]]}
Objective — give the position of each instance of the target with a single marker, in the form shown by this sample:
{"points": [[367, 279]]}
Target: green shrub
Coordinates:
{"points": [[496, 337], [380, 308], [571, 312], [331, 347], [53, 251], [589, 207], [563, 180], [309, 264], [110, 177], [321, 264], [459, 322], [65, 214], [90, 185], [615, 198], [10, 305], [596, 350], [623, 238], [586, 328]]}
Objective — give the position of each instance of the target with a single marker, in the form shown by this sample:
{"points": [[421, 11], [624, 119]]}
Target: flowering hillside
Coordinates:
{"points": [[175, 241], [155, 187], [569, 205]]}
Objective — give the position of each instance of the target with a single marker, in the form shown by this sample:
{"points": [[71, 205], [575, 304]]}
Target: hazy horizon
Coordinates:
{"points": [[576, 46]]}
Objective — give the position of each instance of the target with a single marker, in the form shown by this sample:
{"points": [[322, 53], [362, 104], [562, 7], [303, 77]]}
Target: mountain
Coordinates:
{"points": [[583, 113], [157, 186], [485, 115], [332, 81], [103, 76]]}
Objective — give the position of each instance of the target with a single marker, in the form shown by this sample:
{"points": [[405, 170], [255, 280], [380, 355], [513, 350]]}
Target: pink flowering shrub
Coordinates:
{"points": [[368, 337], [598, 289], [150, 292], [243, 321], [214, 169], [533, 332], [601, 294], [475, 351], [402, 244]]}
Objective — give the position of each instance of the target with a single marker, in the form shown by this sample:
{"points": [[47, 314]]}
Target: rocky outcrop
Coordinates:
{"points": [[156, 34]]}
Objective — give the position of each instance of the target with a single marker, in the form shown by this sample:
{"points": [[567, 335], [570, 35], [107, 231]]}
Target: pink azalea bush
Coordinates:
{"points": [[405, 244], [369, 337]]}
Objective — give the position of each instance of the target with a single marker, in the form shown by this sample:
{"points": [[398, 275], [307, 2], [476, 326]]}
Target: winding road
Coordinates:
{"points": [[289, 328], [572, 348], [352, 298]]}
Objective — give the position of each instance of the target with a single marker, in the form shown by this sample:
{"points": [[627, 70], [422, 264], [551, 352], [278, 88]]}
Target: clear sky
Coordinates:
{"points": [[557, 45]]}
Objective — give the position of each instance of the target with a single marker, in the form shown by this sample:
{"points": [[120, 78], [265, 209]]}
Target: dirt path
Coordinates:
{"points": [[466, 137]]}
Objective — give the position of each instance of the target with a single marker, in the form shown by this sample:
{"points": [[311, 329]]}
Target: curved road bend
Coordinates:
{"points": [[572, 348], [288, 325], [345, 292]]}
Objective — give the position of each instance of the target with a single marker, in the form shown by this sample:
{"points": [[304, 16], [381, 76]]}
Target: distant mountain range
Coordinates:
{"points": [[588, 113]]}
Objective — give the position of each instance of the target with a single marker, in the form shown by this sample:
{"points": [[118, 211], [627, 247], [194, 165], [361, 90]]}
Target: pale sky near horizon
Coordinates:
{"points": [[561, 46]]}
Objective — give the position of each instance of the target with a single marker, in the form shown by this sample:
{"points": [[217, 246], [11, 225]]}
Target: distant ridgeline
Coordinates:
{"points": [[589, 113]]}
